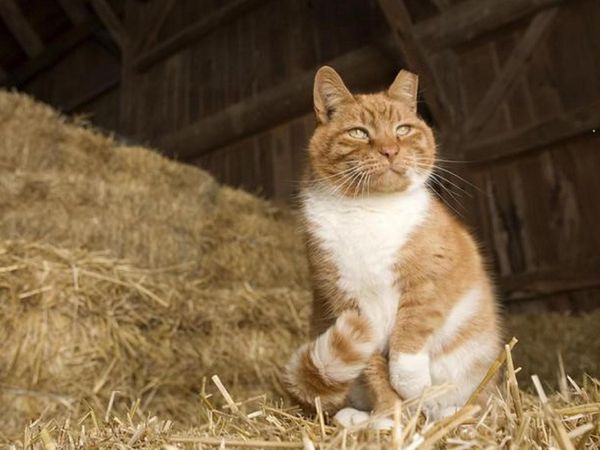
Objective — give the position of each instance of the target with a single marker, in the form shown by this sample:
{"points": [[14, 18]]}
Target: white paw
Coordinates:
{"points": [[435, 412], [384, 423], [349, 417], [409, 374]]}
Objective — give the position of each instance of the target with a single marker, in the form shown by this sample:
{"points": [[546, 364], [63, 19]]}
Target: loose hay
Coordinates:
{"points": [[567, 420], [76, 326], [128, 280]]}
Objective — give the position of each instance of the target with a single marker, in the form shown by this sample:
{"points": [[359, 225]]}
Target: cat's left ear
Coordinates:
{"points": [[405, 88], [329, 93]]}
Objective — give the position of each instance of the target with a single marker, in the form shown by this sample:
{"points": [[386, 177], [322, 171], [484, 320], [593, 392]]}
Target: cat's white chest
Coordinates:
{"points": [[363, 237]]}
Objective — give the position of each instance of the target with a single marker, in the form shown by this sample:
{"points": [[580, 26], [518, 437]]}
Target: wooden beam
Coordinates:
{"points": [[400, 22], [576, 122], [156, 24], [191, 34], [530, 285], [362, 68], [53, 52], [472, 18], [75, 10], [514, 65], [20, 27], [110, 21], [96, 91], [442, 5]]}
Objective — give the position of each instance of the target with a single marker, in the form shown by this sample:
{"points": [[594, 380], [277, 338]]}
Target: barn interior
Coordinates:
{"points": [[151, 153]]}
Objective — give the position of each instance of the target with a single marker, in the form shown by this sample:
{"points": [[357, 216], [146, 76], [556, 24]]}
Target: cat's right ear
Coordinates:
{"points": [[329, 93]]}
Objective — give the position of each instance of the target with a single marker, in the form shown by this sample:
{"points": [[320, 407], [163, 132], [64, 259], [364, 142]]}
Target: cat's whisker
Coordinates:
{"points": [[449, 192], [440, 180], [446, 180], [356, 182], [335, 175], [355, 177], [360, 186], [351, 180], [449, 172], [449, 181], [346, 175], [445, 201]]}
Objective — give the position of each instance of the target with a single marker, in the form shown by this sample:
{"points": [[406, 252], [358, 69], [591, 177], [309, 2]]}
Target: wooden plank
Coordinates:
{"points": [[75, 10], [361, 68], [110, 21], [400, 22], [564, 279], [469, 19], [53, 52], [20, 27], [581, 120], [514, 65], [569, 302], [194, 32]]}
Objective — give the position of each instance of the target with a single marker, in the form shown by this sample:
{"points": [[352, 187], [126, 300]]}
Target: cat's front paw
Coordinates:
{"points": [[350, 417], [409, 374]]}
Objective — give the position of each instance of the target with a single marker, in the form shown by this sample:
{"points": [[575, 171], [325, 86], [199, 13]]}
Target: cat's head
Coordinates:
{"points": [[369, 143]]}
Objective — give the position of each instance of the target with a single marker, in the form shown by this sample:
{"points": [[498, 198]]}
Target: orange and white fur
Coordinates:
{"points": [[399, 285]]}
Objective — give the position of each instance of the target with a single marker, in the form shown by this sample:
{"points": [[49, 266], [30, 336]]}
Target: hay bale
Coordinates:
{"points": [[131, 272], [65, 184]]}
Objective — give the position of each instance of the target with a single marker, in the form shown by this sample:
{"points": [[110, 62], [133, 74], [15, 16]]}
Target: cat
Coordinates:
{"points": [[396, 277]]}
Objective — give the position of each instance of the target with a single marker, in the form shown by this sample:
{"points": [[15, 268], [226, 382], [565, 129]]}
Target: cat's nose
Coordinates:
{"points": [[389, 151]]}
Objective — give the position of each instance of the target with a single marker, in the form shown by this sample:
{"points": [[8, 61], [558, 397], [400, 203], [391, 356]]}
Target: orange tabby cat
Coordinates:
{"points": [[393, 272]]}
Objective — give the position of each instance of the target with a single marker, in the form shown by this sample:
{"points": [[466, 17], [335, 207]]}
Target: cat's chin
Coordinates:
{"points": [[389, 182]]}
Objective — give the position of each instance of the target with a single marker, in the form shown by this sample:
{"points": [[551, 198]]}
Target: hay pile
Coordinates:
{"points": [[122, 270], [128, 280]]}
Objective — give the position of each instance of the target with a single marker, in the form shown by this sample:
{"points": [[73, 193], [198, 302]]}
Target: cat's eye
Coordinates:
{"points": [[358, 133], [403, 130]]}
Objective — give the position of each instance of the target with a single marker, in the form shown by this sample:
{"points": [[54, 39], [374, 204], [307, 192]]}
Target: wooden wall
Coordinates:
{"points": [[85, 82], [537, 156], [273, 43], [226, 85]]}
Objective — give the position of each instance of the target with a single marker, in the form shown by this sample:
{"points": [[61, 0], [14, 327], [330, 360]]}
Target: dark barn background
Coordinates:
{"points": [[512, 87]]}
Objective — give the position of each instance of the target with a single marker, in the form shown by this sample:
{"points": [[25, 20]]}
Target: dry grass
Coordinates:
{"points": [[565, 420], [127, 281]]}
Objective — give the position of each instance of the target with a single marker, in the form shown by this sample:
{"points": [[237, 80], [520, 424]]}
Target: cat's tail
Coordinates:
{"points": [[327, 366]]}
